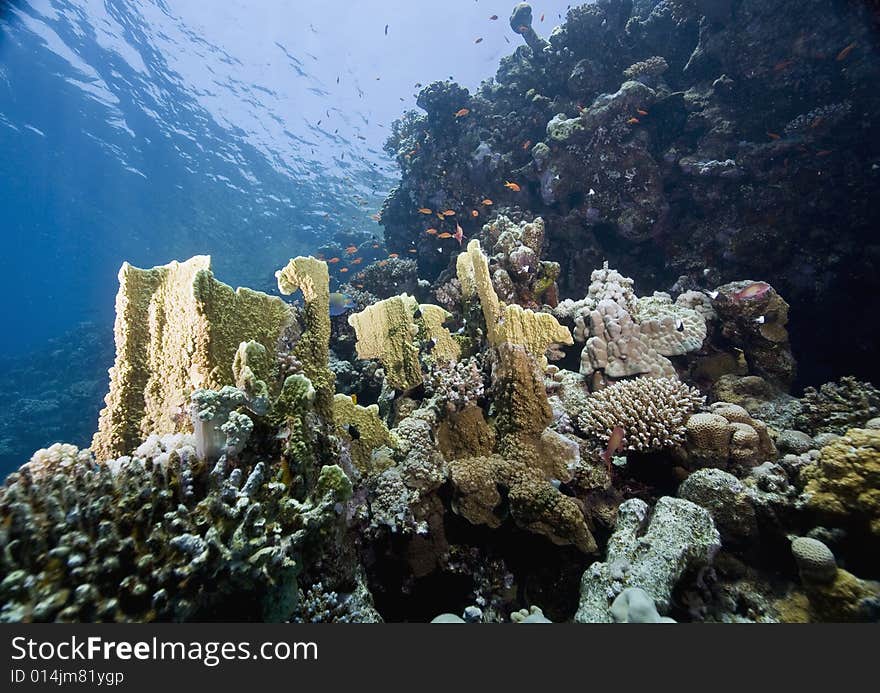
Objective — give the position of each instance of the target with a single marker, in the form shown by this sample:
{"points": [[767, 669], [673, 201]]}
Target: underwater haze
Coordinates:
{"points": [[461, 312], [150, 131]]}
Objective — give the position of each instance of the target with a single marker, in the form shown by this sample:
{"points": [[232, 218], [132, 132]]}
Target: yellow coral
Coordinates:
{"points": [[177, 329], [846, 480], [507, 324], [371, 433], [387, 331], [312, 277], [446, 349]]}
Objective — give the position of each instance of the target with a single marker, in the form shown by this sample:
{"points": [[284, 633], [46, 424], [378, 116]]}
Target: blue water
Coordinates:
{"points": [[151, 130]]}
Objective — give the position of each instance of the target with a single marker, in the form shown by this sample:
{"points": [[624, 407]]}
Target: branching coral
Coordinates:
{"points": [[142, 540], [651, 411]]}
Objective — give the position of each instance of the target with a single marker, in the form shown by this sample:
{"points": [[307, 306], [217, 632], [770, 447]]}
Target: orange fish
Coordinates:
{"points": [[632, 121], [641, 111], [412, 250], [474, 213], [357, 261], [394, 255], [782, 65], [526, 144], [488, 202], [449, 213], [376, 217], [479, 40], [459, 234], [615, 443], [846, 51], [440, 216], [462, 112], [351, 250], [773, 136], [431, 232], [425, 210], [512, 186], [382, 263], [445, 235], [344, 270], [333, 260]]}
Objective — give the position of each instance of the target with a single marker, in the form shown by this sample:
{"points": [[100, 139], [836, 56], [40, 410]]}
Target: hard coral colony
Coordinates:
{"points": [[547, 444]]}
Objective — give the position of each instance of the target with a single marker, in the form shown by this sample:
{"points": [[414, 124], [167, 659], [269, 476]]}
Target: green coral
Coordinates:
{"points": [[157, 540]]}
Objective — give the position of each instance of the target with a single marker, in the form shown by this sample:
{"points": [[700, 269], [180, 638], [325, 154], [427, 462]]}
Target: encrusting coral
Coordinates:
{"points": [[845, 483]]}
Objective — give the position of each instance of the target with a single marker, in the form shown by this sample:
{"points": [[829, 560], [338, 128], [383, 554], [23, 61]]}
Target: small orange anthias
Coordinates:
{"points": [[615, 444]]}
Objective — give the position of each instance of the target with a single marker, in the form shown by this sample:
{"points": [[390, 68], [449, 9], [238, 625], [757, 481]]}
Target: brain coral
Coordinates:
{"points": [[726, 435], [651, 411]]}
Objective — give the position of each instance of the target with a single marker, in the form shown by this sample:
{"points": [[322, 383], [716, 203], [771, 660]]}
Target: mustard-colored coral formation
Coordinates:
{"points": [[389, 331], [311, 276], [511, 324], [369, 431], [177, 329], [846, 480]]}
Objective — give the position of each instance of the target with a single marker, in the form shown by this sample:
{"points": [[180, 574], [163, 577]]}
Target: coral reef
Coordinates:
{"points": [[362, 456]]}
